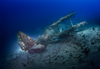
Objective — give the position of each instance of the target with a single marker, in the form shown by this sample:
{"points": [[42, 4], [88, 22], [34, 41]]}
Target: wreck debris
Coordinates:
{"points": [[71, 29], [52, 34], [27, 43], [55, 52], [62, 19], [55, 27], [53, 30], [71, 22]]}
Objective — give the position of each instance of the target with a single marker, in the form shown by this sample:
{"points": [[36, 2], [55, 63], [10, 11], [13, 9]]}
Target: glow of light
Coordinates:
{"points": [[19, 50]]}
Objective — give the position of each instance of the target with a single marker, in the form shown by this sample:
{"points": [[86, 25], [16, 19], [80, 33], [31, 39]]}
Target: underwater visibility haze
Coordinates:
{"points": [[24, 25]]}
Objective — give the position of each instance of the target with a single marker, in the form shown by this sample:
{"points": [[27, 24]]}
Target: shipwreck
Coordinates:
{"points": [[53, 34]]}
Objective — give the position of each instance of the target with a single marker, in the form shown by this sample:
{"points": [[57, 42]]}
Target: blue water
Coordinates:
{"points": [[30, 16]]}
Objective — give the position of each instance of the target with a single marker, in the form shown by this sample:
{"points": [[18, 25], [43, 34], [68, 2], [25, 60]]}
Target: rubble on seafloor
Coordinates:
{"points": [[81, 51], [58, 48], [51, 35]]}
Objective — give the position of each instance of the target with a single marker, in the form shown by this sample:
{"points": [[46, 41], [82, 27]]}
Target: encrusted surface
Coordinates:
{"points": [[27, 43], [82, 51]]}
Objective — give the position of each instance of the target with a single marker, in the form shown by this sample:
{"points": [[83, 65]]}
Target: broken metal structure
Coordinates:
{"points": [[51, 34]]}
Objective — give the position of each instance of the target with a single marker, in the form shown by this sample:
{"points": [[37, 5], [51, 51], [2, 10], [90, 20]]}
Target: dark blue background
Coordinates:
{"points": [[29, 16]]}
